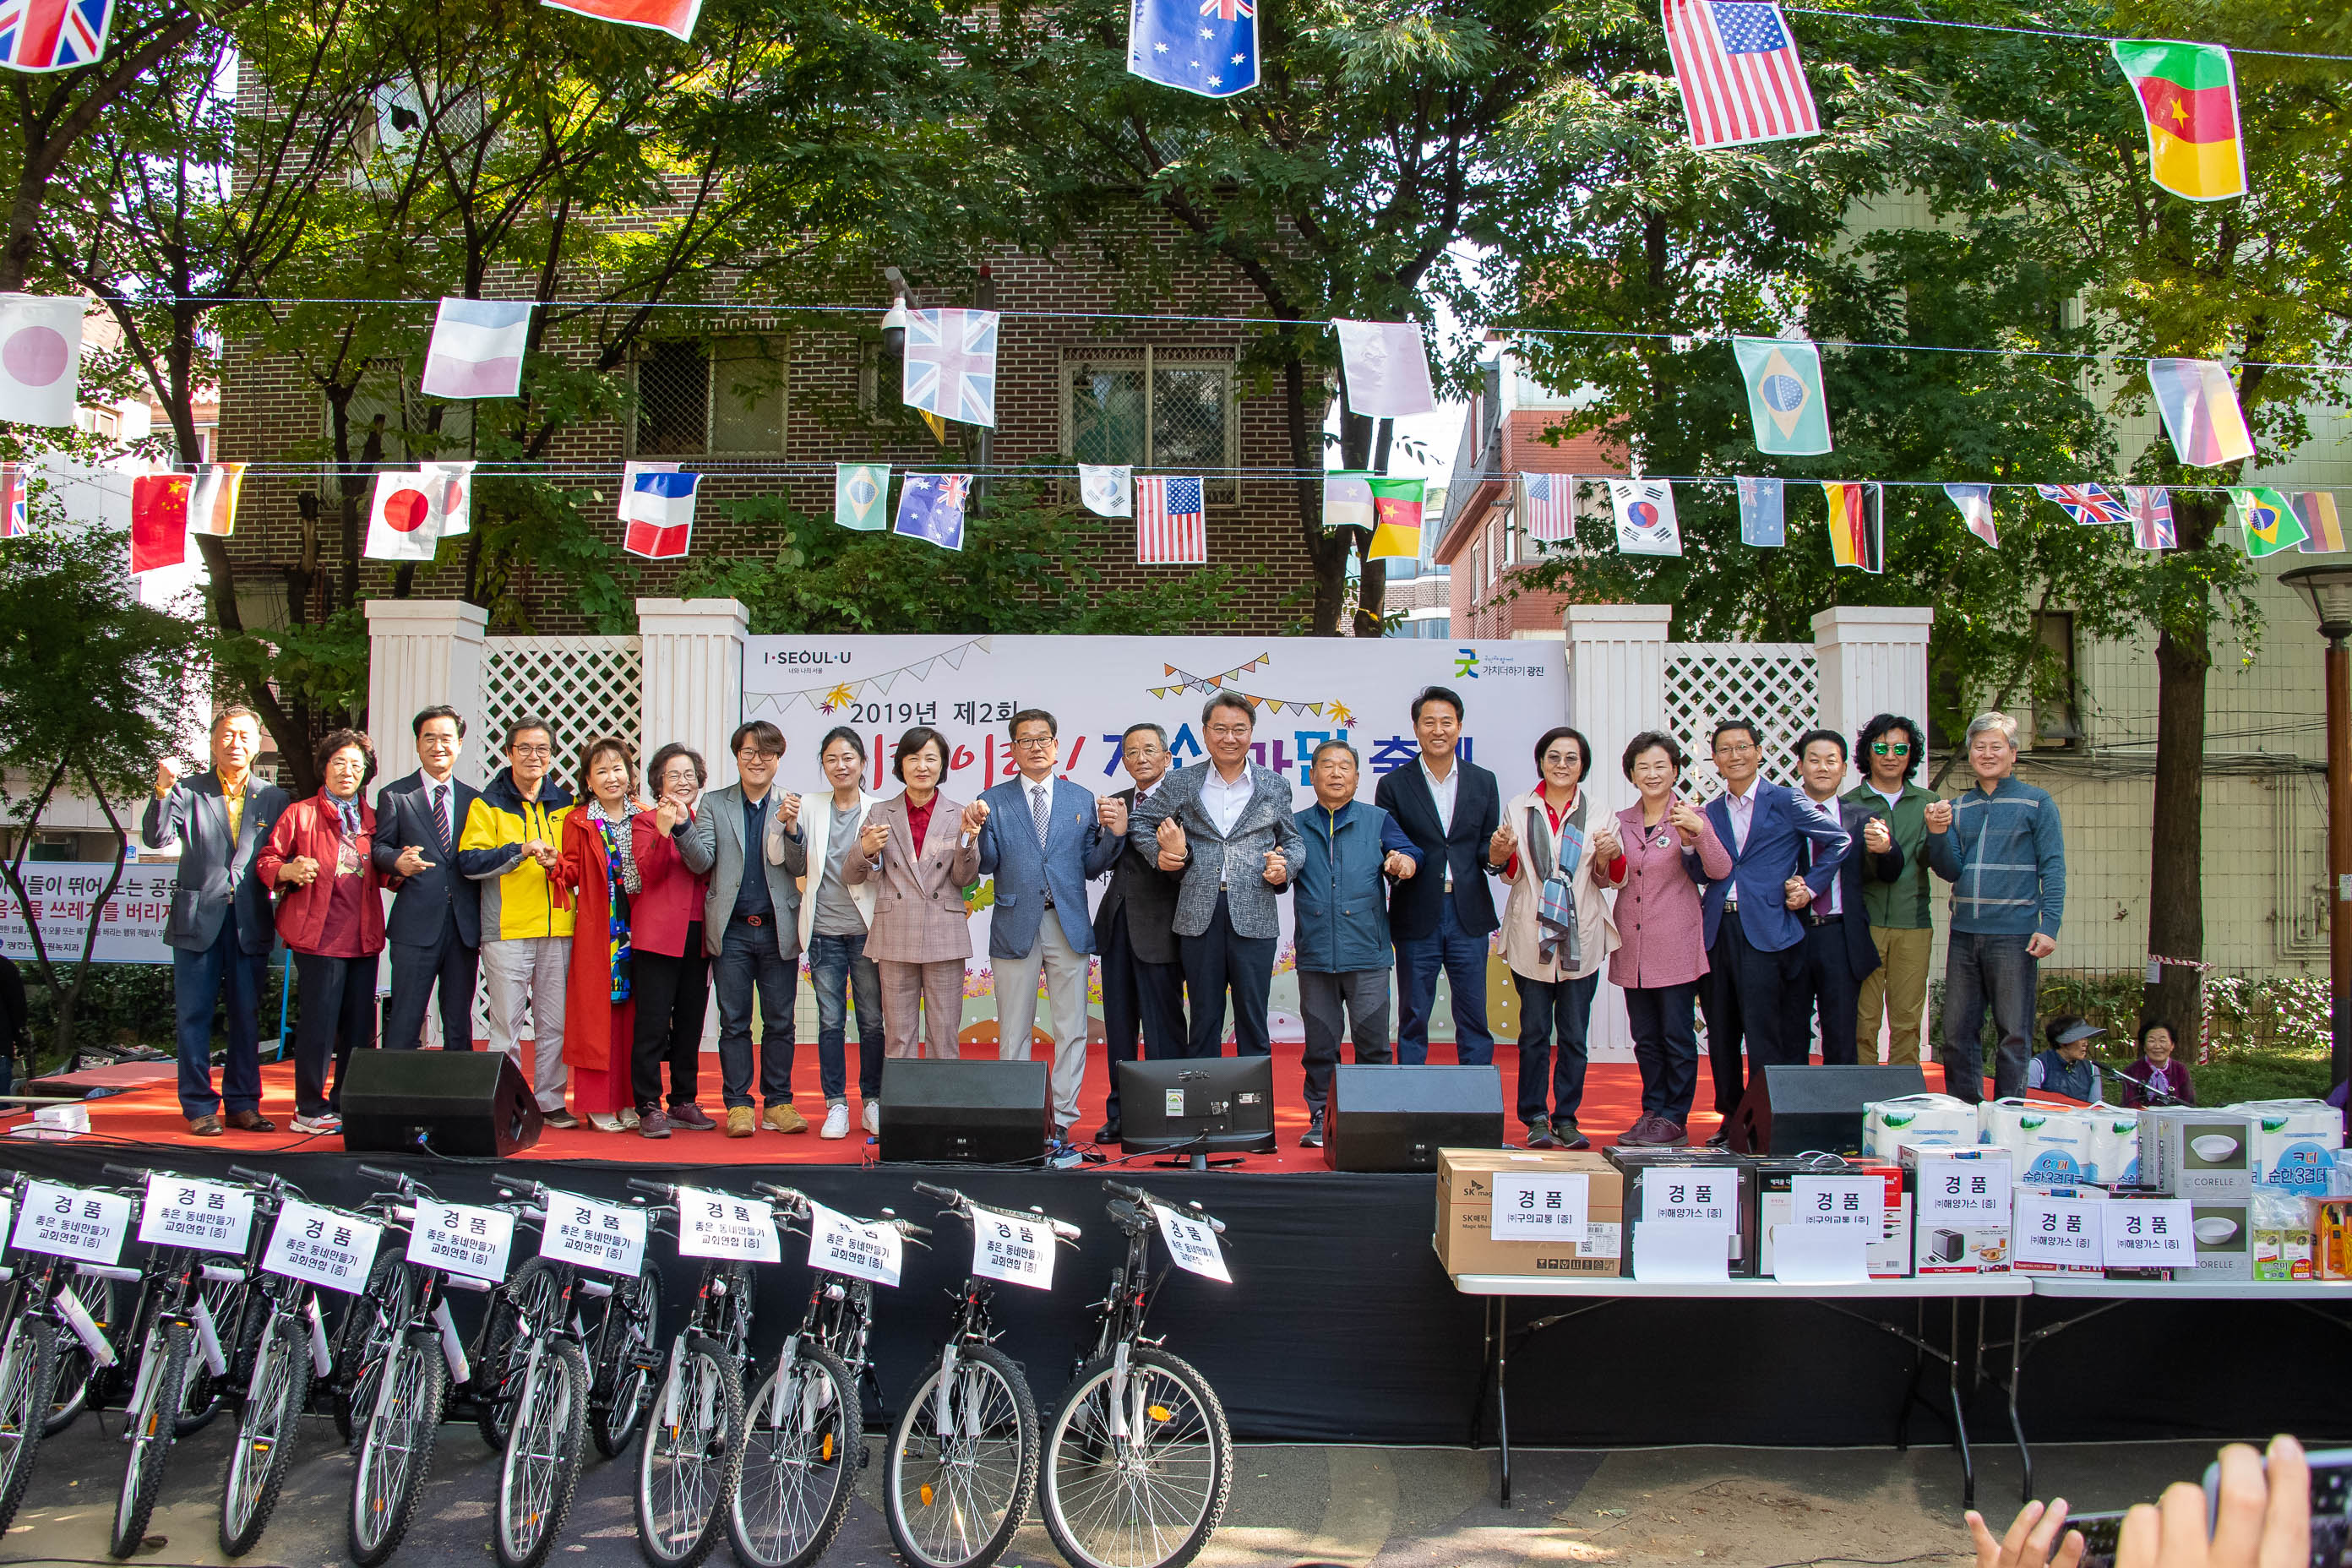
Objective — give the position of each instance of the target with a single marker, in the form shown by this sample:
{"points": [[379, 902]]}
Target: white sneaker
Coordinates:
{"points": [[872, 1117], [327, 1121], [836, 1122]]}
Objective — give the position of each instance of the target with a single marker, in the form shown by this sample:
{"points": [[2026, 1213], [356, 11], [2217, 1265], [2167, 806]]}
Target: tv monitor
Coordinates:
{"points": [[1203, 1105]]}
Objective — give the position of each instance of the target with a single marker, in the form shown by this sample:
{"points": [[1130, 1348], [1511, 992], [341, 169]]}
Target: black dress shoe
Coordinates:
{"points": [[1108, 1132]]}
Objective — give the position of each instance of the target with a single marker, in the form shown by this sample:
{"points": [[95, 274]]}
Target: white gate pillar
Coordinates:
{"points": [[693, 674], [1616, 690], [422, 653], [1873, 659]]}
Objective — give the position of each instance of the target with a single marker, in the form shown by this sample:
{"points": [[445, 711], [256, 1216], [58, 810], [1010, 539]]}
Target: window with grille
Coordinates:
{"points": [[1167, 410], [720, 396]]}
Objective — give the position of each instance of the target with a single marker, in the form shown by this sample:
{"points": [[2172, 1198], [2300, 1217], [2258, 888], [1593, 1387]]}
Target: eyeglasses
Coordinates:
{"points": [[1737, 748], [531, 750], [753, 754], [1031, 742], [1891, 748], [1232, 731]]}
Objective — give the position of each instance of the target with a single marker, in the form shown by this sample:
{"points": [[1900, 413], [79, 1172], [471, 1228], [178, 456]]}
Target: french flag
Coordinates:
{"points": [[477, 349], [674, 18], [660, 515]]}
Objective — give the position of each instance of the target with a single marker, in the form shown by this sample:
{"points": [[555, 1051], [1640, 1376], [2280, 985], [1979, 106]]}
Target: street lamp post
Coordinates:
{"points": [[2328, 591]]}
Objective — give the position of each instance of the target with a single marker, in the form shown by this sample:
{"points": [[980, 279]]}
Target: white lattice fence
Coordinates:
{"points": [[1772, 686], [584, 686]]}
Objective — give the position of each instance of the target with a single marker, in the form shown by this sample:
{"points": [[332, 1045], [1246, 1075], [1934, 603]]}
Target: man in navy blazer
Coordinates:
{"points": [[1450, 809], [435, 930], [1839, 952], [220, 929], [1043, 838], [1754, 945]]}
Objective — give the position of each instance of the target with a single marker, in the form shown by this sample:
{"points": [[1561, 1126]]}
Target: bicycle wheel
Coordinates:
{"points": [[802, 1447], [1143, 1491], [542, 1457], [630, 1365], [28, 1372], [149, 1429], [962, 1462], [264, 1450], [497, 1374], [371, 1326], [201, 1393], [685, 1471], [395, 1448]]}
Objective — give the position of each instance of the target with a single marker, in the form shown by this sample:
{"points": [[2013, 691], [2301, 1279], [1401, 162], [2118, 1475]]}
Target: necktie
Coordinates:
{"points": [[441, 815], [1040, 811]]}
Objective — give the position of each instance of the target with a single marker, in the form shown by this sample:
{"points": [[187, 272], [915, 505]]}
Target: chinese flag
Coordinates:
{"points": [[159, 521]]}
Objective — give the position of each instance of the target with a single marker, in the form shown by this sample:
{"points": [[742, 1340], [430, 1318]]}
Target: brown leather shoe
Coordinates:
{"points": [[204, 1126], [250, 1121], [742, 1120], [784, 1118]]}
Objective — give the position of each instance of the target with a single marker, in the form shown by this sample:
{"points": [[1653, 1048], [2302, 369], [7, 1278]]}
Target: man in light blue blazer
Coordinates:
{"points": [[1043, 838]]}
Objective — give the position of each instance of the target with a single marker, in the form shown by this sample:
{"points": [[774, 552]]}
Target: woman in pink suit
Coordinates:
{"points": [[673, 972], [1664, 852], [917, 847]]}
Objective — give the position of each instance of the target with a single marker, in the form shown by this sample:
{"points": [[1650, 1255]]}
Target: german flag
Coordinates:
{"points": [[1857, 527], [2323, 529], [2189, 94]]}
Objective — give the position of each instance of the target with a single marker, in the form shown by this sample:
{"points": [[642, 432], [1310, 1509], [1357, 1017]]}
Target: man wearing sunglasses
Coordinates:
{"points": [[1889, 750]]}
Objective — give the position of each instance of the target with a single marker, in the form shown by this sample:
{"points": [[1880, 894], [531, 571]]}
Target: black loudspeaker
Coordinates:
{"points": [[1798, 1109], [471, 1103], [977, 1113], [1398, 1117]]}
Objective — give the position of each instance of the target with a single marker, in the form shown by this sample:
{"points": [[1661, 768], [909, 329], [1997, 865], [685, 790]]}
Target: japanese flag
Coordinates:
{"points": [[450, 488], [40, 359], [401, 523]]}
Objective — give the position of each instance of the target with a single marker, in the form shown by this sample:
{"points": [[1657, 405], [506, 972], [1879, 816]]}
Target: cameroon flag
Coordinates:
{"points": [[2189, 95], [1396, 518]]}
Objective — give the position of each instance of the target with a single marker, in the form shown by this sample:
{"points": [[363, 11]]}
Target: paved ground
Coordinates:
{"points": [[1382, 1508]]}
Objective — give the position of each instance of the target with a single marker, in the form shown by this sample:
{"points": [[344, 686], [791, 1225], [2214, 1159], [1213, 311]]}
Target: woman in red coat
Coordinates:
{"points": [[599, 872], [333, 919]]}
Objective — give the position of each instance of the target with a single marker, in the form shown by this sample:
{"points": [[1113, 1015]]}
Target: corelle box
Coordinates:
{"points": [[1959, 1208], [1888, 1254], [1657, 1189], [2191, 1153], [1530, 1212], [2225, 1237], [1887, 1125], [2295, 1142]]}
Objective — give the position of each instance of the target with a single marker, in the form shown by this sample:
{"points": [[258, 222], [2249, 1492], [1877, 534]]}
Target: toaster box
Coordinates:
{"points": [[1659, 1188], [1524, 1211], [2186, 1152], [1888, 1253], [1959, 1208]]}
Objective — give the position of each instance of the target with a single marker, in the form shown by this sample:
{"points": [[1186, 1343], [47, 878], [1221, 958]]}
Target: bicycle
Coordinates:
{"points": [[962, 1461], [1139, 1460], [794, 1478], [28, 1354]]}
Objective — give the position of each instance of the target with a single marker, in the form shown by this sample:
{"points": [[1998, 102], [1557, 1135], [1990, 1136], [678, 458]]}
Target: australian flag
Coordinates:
{"points": [[930, 507], [53, 35], [1208, 46]]}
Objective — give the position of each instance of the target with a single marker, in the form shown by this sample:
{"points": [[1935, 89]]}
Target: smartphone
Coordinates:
{"points": [[2331, 1498], [2101, 1532]]}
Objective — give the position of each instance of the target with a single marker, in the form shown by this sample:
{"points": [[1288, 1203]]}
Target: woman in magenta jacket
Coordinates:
{"points": [[1664, 852], [665, 930], [331, 916]]}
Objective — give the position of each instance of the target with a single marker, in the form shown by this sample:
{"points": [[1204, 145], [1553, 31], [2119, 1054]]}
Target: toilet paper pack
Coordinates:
{"points": [[2295, 1141], [2114, 1145], [1889, 1125], [2046, 1143]]}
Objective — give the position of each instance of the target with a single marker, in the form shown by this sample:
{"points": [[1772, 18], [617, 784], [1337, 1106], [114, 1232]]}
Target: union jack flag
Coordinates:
{"points": [[12, 500], [53, 35], [1228, 10], [1550, 515], [2087, 504], [2151, 515], [950, 363]]}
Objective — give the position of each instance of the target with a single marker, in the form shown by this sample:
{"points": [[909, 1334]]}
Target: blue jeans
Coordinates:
{"points": [[748, 961], [839, 969], [1545, 1007], [200, 983], [1984, 969], [1463, 958]]}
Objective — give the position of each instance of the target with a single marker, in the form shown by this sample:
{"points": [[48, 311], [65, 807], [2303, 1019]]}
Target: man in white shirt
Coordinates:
{"points": [[1838, 951], [1452, 811]]}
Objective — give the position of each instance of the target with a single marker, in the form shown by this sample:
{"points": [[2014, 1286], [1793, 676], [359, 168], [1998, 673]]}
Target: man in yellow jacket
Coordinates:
{"points": [[509, 845]]}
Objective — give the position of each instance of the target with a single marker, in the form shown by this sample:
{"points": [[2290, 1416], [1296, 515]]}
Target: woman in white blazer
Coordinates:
{"points": [[834, 917]]}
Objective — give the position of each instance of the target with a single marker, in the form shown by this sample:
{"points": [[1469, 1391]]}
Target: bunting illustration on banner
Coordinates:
{"points": [[2270, 524], [2200, 411], [1207, 685], [15, 511], [1857, 525], [2189, 95], [2151, 515], [2089, 505], [2323, 529], [1548, 506], [159, 521], [830, 696], [1737, 68], [930, 507], [1763, 520], [674, 18], [859, 493], [1204, 47], [1108, 489], [40, 356], [211, 500], [950, 364], [660, 516], [477, 348], [53, 35], [1784, 395], [1646, 517], [449, 490], [1171, 526], [1347, 498], [1975, 502], [1396, 518], [1386, 367], [401, 520], [629, 472]]}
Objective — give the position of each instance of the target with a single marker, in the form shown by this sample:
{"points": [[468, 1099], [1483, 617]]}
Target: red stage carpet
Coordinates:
{"points": [[150, 1117]]}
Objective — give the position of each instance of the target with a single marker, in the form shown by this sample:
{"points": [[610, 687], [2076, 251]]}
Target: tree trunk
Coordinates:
{"points": [[2176, 913], [1328, 551]]}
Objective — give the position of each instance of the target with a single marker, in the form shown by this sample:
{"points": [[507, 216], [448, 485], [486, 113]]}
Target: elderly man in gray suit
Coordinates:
{"points": [[1225, 825]]}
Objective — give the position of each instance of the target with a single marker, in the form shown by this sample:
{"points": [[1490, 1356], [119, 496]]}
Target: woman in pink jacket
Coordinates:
{"points": [[673, 973], [1664, 851]]}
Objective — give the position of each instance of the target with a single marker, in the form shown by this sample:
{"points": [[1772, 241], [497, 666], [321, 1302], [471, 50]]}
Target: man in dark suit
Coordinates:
{"points": [[220, 931], [435, 931], [1839, 953], [1755, 946], [1143, 970], [1449, 808]]}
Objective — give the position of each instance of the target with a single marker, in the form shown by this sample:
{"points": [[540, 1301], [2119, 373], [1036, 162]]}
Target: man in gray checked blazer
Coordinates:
{"points": [[1225, 825]]}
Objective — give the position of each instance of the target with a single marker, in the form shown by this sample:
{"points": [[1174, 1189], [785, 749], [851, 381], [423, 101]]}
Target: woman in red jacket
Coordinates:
{"points": [[673, 978], [598, 870], [333, 919]]}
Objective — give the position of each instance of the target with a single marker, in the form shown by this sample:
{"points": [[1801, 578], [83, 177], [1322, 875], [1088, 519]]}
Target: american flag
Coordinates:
{"points": [[1171, 528], [53, 35], [951, 368], [12, 500], [2089, 505], [1550, 515], [1737, 68]]}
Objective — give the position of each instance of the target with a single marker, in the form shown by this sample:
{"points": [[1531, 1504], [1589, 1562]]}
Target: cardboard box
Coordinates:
{"points": [[1641, 1166], [2295, 1142], [1887, 1125], [2191, 1153], [1468, 1181], [1955, 1193], [1889, 1256], [2094, 1261], [2225, 1237]]}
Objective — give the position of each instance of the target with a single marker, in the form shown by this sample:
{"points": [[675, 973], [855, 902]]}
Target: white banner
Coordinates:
{"points": [[130, 931]]}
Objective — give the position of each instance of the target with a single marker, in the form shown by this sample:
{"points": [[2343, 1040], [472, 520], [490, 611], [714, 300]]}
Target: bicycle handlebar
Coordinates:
{"points": [[945, 1194], [134, 1172], [791, 1195], [397, 1178], [1122, 1190], [241, 1173], [1137, 1196], [659, 1189]]}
